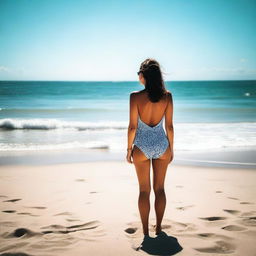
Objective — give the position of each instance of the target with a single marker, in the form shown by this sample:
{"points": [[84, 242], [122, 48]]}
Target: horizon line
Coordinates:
{"points": [[115, 81]]}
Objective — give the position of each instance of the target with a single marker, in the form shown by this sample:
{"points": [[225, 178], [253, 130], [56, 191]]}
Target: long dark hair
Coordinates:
{"points": [[154, 83]]}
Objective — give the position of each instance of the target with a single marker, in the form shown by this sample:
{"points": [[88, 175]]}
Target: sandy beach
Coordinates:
{"points": [[91, 209]]}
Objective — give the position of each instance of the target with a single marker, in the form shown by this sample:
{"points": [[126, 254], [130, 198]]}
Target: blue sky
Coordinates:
{"points": [[107, 40]]}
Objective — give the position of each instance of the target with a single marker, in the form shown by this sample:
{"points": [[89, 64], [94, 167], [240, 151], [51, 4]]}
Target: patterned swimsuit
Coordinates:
{"points": [[152, 141]]}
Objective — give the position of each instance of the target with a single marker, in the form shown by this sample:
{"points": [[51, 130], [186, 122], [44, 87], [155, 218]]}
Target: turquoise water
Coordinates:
{"points": [[38, 115]]}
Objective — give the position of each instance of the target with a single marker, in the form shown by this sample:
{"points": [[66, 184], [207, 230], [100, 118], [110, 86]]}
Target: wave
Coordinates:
{"points": [[60, 134], [49, 124], [55, 110], [60, 146]]}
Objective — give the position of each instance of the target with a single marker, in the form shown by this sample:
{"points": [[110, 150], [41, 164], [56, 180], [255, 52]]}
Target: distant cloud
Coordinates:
{"points": [[231, 70], [243, 60], [4, 69]]}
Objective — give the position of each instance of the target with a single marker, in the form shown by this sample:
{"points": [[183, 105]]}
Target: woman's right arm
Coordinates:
{"points": [[169, 120]]}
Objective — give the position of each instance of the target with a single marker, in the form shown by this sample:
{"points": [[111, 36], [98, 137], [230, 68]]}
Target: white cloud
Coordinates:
{"points": [[243, 60], [238, 70], [4, 69]]}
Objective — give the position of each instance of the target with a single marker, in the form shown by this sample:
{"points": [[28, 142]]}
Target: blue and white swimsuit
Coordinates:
{"points": [[152, 141]]}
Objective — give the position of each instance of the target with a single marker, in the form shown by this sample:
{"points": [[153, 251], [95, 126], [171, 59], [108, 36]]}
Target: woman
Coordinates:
{"points": [[148, 107]]}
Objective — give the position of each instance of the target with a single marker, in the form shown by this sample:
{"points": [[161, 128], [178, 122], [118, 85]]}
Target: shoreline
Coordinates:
{"points": [[226, 158]]}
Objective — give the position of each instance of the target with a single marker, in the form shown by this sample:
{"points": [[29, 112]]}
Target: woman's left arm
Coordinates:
{"points": [[133, 122]]}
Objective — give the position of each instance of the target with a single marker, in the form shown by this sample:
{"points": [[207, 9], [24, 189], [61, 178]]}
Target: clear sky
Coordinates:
{"points": [[107, 40]]}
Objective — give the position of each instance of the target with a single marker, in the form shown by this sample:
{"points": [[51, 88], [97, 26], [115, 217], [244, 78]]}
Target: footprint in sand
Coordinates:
{"points": [[179, 186], [214, 218], [247, 221], [9, 211], [131, 230], [246, 203], [54, 228], [178, 227], [184, 207], [248, 214], [37, 207], [28, 213], [133, 227], [218, 191], [233, 198], [13, 200], [234, 212], [234, 228], [213, 235], [219, 247], [63, 213], [20, 232], [80, 180], [15, 254], [71, 220]]}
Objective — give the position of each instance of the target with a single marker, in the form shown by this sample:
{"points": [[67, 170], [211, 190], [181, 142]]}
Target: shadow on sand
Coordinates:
{"points": [[161, 245]]}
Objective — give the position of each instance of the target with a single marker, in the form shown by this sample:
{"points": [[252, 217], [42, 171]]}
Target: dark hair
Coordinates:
{"points": [[154, 83]]}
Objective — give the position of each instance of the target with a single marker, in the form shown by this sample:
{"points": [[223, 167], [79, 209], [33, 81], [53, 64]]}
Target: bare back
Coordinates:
{"points": [[151, 113]]}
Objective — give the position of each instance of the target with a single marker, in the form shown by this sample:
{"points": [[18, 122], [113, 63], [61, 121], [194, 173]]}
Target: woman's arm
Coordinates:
{"points": [[133, 120], [168, 120]]}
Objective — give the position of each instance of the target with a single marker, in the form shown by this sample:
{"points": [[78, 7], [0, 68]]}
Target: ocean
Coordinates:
{"points": [[60, 115]]}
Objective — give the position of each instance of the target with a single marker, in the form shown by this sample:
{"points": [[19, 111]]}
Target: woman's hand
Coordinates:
{"points": [[129, 156]]}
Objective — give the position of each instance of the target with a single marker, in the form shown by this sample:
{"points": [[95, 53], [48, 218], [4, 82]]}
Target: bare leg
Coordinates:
{"points": [[159, 169], [142, 165]]}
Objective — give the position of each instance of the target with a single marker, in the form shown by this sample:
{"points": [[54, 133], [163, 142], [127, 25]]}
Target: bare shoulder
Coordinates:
{"points": [[169, 95], [134, 94]]}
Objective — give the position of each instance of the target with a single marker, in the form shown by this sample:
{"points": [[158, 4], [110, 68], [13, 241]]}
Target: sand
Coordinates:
{"points": [[91, 209]]}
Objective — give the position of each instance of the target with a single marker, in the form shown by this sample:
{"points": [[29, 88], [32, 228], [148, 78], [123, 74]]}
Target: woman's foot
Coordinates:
{"points": [[146, 233], [158, 230]]}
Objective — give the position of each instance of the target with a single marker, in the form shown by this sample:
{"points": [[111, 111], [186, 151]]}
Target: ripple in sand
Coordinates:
{"points": [[233, 228], [93, 192], [9, 211], [178, 227], [55, 228], [3, 196], [71, 220], [37, 207], [246, 203], [220, 247], [214, 218], [80, 180], [63, 213], [14, 254], [28, 213], [206, 234], [13, 200], [235, 212], [8, 224], [213, 235], [233, 198], [218, 191], [248, 214], [247, 221], [184, 207], [251, 233]]}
